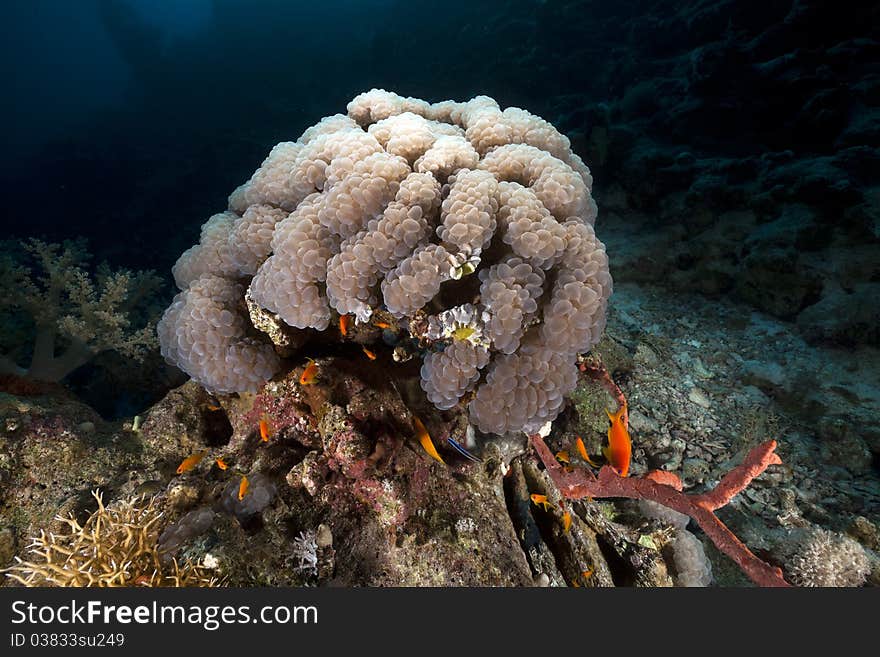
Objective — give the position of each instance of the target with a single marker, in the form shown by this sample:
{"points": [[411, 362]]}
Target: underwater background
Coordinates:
{"points": [[733, 147]]}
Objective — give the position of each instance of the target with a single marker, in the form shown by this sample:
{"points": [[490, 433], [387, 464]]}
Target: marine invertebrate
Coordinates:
{"points": [[72, 310], [692, 566], [116, 546], [666, 488], [395, 207], [826, 558], [305, 552]]}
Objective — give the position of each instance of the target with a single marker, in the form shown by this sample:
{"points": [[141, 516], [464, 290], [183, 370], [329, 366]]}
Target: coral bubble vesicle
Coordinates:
{"points": [[475, 220]]}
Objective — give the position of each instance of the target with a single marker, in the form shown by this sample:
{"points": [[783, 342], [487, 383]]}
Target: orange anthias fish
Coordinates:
{"points": [[538, 500], [371, 355], [221, 463], [619, 450], [566, 522], [212, 407], [309, 374], [243, 487], [582, 451], [344, 323], [382, 325], [425, 439], [562, 456], [265, 431], [190, 462]]}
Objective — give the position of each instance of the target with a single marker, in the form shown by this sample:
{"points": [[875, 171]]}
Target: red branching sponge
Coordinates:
{"points": [[595, 369], [665, 488]]}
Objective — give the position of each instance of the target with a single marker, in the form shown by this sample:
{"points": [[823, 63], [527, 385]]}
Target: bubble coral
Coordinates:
{"points": [[395, 207]]}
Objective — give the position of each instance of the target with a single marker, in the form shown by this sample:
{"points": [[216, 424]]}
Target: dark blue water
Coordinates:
{"points": [[126, 117]]}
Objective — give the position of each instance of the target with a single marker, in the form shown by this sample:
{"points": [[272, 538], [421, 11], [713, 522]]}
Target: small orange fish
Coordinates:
{"points": [[212, 407], [382, 325], [562, 456], [221, 463], [243, 487], [583, 451], [619, 450], [310, 373], [344, 323], [370, 354], [566, 522], [538, 500], [190, 462], [425, 439], [587, 574], [265, 431]]}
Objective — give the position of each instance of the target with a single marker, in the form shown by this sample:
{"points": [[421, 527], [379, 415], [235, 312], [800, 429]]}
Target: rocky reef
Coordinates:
{"points": [[745, 151], [342, 493]]}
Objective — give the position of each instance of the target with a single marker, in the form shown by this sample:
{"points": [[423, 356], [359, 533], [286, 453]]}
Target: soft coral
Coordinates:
{"points": [[89, 315]]}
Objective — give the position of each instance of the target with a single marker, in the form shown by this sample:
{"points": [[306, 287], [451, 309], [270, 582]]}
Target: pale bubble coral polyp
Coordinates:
{"points": [[454, 210]]}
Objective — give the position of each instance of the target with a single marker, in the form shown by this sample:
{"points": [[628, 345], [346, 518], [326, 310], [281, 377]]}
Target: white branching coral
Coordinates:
{"points": [[305, 553], [73, 312], [393, 207], [116, 546]]}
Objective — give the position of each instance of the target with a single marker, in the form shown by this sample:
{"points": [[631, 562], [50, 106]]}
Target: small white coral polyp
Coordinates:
{"points": [[395, 206]]}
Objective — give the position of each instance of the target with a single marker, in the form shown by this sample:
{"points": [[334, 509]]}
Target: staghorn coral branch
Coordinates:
{"points": [[116, 546], [665, 488]]}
